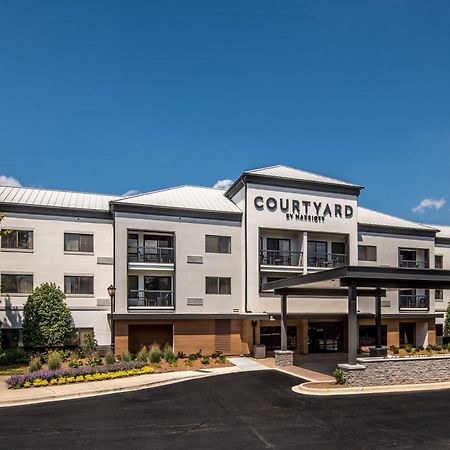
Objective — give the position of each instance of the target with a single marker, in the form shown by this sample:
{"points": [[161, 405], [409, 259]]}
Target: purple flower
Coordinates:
{"points": [[17, 381]]}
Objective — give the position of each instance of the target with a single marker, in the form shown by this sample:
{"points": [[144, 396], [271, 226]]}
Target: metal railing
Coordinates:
{"points": [[327, 259], [413, 301], [279, 258], [150, 299], [413, 264], [151, 254]]}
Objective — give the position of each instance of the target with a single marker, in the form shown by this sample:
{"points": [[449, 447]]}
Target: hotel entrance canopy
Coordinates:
{"points": [[353, 282]]}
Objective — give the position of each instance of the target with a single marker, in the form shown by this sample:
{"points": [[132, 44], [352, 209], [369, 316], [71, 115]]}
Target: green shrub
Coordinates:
{"points": [[142, 354], [395, 350], [448, 347], [181, 355], [408, 348], [188, 362], [54, 360], [47, 321], [169, 355], [198, 354], [155, 354], [95, 361], [429, 348], [419, 348], [222, 359], [125, 356], [205, 360], [216, 354], [90, 344], [35, 364], [192, 357], [75, 364], [438, 348], [10, 356], [339, 374], [110, 358]]}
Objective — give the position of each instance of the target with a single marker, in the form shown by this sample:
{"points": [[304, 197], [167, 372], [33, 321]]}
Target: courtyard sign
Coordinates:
{"points": [[304, 210]]}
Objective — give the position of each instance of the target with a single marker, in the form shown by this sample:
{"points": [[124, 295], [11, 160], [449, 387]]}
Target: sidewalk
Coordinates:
{"points": [[16, 397], [297, 371]]}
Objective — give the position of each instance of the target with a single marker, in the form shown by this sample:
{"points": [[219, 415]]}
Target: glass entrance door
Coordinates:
{"points": [[325, 337]]}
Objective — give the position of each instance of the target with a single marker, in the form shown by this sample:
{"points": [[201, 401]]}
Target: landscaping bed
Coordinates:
{"points": [[62, 367]]}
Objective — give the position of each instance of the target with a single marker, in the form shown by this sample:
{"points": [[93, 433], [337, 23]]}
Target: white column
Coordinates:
{"points": [[305, 252]]}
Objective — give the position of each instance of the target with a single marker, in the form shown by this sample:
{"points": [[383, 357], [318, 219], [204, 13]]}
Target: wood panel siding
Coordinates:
{"points": [[223, 335]]}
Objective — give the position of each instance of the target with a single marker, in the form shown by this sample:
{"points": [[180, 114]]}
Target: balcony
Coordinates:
{"points": [[279, 258], [327, 260], [146, 299], [413, 302], [151, 258], [413, 264]]}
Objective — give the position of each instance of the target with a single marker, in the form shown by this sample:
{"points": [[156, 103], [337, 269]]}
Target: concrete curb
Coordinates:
{"points": [[55, 396], [306, 390]]}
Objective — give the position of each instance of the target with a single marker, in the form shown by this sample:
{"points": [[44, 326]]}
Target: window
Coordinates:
{"points": [[367, 253], [217, 244], [157, 283], [218, 285], [75, 242], [439, 294], [438, 262], [19, 239], [17, 284], [81, 285], [368, 335]]}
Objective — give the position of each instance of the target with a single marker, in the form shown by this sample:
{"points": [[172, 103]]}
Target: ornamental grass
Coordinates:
{"points": [[78, 374]]}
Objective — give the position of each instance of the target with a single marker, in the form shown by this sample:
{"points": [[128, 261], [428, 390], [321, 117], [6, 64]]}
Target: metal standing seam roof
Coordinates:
{"points": [[444, 230], [281, 171], [55, 199], [184, 197], [376, 218]]}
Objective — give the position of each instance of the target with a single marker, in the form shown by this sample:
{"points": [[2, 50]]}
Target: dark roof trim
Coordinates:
{"points": [[442, 241], [177, 212], [366, 276], [329, 292], [293, 183], [56, 211], [174, 316], [384, 229]]}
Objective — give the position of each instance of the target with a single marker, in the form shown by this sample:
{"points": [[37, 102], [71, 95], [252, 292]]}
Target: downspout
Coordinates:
{"points": [[245, 246]]}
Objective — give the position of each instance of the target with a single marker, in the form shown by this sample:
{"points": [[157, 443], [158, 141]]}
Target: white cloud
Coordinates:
{"points": [[429, 203], [9, 181], [223, 184], [130, 193]]}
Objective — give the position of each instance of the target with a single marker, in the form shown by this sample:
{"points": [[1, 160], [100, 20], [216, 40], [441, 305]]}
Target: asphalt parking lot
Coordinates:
{"points": [[248, 410]]}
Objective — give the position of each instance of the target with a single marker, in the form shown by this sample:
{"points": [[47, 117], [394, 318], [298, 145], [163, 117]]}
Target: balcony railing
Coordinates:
{"points": [[151, 254], [413, 264], [150, 299], [413, 301], [327, 260], [279, 258]]}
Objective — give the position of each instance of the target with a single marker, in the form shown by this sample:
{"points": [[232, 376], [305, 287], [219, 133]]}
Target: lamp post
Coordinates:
{"points": [[112, 295]]}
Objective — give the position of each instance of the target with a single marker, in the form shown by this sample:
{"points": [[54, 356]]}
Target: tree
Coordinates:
{"points": [[3, 231], [47, 321], [447, 321]]}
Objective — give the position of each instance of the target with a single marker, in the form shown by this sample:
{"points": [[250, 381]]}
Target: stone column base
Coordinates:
{"points": [[284, 358]]}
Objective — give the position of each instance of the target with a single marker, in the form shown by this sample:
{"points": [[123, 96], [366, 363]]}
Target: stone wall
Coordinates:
{"points": [[389, 371]]}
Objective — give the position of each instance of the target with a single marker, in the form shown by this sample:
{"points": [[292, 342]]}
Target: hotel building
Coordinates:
{"points": [[188, 263]]}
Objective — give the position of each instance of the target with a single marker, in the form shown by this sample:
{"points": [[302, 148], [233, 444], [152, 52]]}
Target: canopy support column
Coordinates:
{"points": [[352, 325], [284, 322], [378, 320]]}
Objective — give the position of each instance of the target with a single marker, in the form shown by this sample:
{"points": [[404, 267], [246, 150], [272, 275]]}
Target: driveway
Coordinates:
{"points": [[246, 410]]}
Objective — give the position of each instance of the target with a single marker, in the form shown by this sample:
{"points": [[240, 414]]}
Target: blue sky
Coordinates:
{"points": [[108, 96]]}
